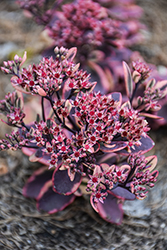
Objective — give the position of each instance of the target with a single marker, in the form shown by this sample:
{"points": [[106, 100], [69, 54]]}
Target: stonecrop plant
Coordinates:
{"points": [[86, 142], [103, 31]]}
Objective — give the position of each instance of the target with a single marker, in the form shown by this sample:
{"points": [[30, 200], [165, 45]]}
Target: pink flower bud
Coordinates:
{"points": [[16, 58], [5, 64], [6, 71], [41, 92]]}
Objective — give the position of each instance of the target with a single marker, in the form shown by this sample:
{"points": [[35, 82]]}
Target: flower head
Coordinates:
{"points": [[76, 138]]}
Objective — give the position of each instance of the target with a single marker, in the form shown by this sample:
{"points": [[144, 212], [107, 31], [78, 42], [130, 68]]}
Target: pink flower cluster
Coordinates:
{"points": [[89, 24], [84, 22], [135, 177], [77, 133]]}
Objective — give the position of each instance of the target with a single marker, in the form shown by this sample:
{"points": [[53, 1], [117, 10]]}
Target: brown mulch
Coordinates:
{"points": [[78, 227]]}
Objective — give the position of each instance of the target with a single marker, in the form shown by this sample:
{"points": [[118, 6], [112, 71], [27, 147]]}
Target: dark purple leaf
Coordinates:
{"points": [[109, 158], [106, 83], [36, 155], [146, 145], [123, 193], [36, 182], [116, 96], [52, 202], [111, 209], [113, 146], [62, 183]]}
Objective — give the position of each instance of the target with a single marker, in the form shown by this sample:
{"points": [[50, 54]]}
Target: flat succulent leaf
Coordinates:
{"points": [[62, 183], [116, 96], [123, 193], [109, 158], [93, 204], [151, 83], [153, 116], [113, 146], [24, 58], [111, 209], [36, 155], [146, 145], [52, 202], [71, 53], [102, 75], [155, 173], [36, 182], [128, 80], [151, 162], [162, 113]]}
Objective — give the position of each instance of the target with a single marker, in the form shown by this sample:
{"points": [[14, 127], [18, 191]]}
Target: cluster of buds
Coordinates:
{"points": [[141, 71], [11, 106], [126, 181], [76, 134]]}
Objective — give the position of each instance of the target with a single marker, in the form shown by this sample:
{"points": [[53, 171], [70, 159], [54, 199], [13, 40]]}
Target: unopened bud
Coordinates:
{"points": [[6, 71], [16, 58], [5, 64]]}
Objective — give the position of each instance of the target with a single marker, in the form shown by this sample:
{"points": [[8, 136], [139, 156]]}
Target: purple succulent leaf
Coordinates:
{"points": [[109, 158], [128, 80], [36, 182], [113, 146], [162, 113], [146, 145], [71, 53], [105, 81], [116, 97], [155, 173], [111, 209], [52, 202], [123, 193], [36, 155], [62, 183], [153, 116]]}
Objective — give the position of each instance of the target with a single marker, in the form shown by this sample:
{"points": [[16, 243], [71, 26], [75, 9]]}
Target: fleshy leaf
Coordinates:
{"points": [[151, 162], [146, 145], [36, 182], [152, 116], [116, 96], [110, 158], [123, 193], [52, 202], [128, 80], [39, 155], [71, 53], [62, 183], [111, 209], [105, 80], [24, 58], [113, 147]]}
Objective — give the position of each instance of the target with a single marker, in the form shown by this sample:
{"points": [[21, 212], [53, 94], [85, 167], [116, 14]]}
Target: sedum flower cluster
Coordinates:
{"points": [[103, 32], [87, 142], [89, 24]]}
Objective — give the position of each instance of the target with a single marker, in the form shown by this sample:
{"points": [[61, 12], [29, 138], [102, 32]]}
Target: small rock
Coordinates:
{"points": [[136, 208]]}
